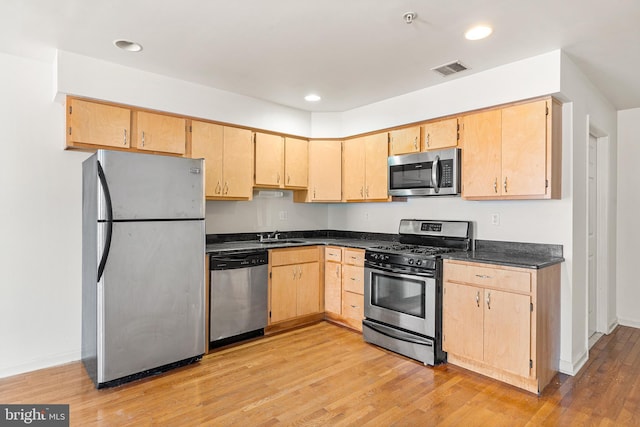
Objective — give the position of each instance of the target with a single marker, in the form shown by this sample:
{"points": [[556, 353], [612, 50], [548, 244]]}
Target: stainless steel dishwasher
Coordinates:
{"points": [[239, 296]]}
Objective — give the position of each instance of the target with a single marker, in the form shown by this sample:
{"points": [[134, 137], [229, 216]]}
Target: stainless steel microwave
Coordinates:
{"points": [[430, 173]]}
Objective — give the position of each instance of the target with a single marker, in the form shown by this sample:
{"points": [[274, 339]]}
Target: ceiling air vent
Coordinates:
{"points": [[448, 69]]}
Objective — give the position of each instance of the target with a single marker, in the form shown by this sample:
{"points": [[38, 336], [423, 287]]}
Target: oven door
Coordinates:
{"points": [[406, 301]]}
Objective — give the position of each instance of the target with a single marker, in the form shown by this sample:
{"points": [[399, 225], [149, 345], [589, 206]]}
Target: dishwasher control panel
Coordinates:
{"points": [[234, 260]]}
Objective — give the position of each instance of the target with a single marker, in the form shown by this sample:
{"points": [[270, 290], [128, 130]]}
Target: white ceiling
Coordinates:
{"points": [[351, 52]]}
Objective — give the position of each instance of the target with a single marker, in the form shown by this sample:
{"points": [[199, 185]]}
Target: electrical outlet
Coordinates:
{"points": [[283, 215], [495, 219]]}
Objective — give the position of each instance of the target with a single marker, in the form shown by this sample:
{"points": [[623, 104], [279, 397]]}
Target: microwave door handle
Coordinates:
{"points": [[435, 176]]}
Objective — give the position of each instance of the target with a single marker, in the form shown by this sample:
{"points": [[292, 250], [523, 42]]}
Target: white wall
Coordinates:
{"points": [[628, 297], [265, 214], [92, 78], [40, 205]]}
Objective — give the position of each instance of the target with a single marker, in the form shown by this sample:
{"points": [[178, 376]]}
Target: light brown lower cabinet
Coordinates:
{"points": [[503, 322], [294, 284], [344, 296]]}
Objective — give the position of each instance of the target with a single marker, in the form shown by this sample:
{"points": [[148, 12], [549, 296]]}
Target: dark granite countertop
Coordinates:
{"points": [[515, 254]]}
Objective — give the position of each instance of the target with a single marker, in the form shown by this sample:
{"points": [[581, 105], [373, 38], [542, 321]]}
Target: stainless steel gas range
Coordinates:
{"points": [[403, 288]]}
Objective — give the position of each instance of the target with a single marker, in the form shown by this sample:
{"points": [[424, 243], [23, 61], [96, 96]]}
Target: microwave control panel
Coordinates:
{"points": [[446, 180]]}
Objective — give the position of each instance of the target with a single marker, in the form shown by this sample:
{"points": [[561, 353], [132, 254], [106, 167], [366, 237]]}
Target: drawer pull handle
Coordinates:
{"points": [[489, 300], [478, 298], [354, 306], [483, 276]]}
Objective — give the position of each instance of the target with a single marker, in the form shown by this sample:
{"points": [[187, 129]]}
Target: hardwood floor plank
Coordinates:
{"points": [[325, 375]]}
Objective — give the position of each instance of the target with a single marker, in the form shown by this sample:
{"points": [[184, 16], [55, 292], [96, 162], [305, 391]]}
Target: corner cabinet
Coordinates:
{"points": [[294, 285], [503, 322], [513, 152], [364, 168], [325, 172], [228, 154]]}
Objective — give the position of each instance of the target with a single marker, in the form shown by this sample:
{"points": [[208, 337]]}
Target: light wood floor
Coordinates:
{"points": [[326, 375]]}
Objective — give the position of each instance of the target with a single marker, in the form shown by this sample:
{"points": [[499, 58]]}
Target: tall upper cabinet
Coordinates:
{"points": [[513, 152], [364, 168], [228, 154], [325, 172]]}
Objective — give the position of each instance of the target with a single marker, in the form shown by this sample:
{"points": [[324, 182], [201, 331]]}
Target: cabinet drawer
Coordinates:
{"points": [[333, 254], [293, 256], [512, 280], [353, 306], [353, 278], [354, 257]]}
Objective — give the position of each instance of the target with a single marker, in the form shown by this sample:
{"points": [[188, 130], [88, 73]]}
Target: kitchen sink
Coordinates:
{"points": [[274, 241]]}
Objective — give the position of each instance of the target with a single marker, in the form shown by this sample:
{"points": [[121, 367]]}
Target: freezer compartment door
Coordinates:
{"points": [[146, 186], [151, 298]]}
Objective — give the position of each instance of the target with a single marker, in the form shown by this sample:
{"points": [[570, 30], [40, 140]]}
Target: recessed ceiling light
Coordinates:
{"points": [[128, 45], [312, 97], [478, 32]]}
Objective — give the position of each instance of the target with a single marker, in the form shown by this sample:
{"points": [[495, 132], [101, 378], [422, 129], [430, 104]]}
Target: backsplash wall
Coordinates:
{"points": [[265, 213]]}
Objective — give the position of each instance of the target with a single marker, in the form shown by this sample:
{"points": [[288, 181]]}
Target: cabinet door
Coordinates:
{"points": [[283, 292], [269, 160], [238, 163], [325, 171], [481, 169], [333, 287], [296, 162], [97, 124], [207, 141], [524, 149], [441, 134], [404, 141], [160, 132], [308, 288], [462, 320], [376, 149], [507, 331], [353, 173]]}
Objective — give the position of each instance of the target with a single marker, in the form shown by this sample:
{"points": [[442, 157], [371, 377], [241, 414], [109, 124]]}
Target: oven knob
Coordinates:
{"points": [[410, 261], [419, 262]]}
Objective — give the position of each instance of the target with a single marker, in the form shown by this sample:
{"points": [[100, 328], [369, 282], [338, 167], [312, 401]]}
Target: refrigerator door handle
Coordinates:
{"points": [[109, 221]]}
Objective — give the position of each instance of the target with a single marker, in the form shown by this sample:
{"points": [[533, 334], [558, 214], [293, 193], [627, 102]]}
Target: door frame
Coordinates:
{"points": [[603, 256]]}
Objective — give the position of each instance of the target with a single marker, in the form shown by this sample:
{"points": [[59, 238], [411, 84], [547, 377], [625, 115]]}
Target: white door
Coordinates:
{"points": [[592, 219]]}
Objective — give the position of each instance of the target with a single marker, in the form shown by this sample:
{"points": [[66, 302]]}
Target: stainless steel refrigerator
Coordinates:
{"points": [[143, 273]]}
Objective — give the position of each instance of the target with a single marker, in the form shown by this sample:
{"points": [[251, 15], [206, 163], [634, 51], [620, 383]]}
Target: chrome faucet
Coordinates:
{"points": [[269, 236]]}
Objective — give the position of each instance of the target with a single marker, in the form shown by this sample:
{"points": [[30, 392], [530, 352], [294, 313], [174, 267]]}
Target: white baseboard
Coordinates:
{"points": [[570, 368], [40, 363], [612, 326], [629, 322]]}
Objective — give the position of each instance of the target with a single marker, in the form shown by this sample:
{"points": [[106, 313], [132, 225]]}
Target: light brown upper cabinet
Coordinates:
{"points": [[440, 134], [228, 154], [97, 124], [513, 153], [296, 162], [403, 141], [325, 172], [159, 132], [269, 160], [281, 162], [365, 171]]}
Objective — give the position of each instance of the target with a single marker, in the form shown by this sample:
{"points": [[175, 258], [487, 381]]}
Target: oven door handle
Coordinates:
{"points": [[379, 268], [398, 335]]}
